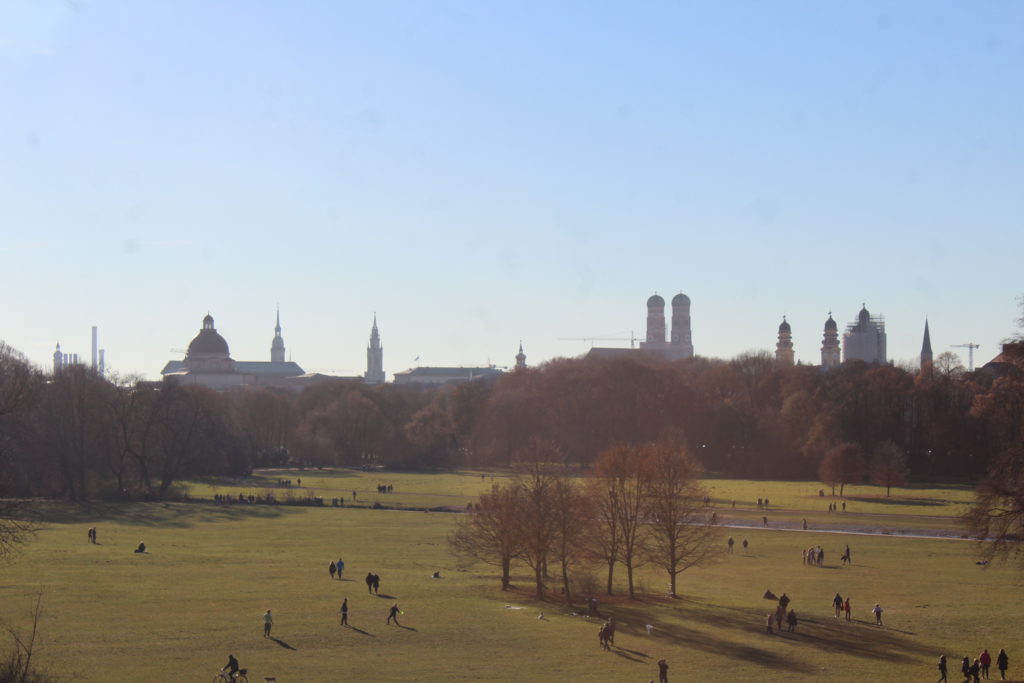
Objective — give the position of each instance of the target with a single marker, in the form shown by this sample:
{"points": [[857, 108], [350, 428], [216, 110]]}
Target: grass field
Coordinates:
{"points": [[174, 613]]}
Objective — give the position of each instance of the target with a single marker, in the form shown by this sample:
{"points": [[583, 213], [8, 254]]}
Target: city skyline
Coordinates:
{"points": [[480, 175]]}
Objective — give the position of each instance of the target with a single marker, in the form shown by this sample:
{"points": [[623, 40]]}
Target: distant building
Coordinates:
{"points": [[681, 341], [864, 340], [436, 376], [208, 362], [830, 344], [784, 347], [62, 360], [520, 357], [374, 357], [926, 347]]}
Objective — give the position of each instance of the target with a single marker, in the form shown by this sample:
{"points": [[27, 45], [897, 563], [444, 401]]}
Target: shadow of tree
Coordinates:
{"points": [[176, 515], [858, 638]]}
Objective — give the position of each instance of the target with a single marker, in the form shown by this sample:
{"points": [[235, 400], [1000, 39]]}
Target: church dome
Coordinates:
{"points": [[864, 317], [830, 324], [680, 300], [655, 302], [208, 343], [784, 327]]}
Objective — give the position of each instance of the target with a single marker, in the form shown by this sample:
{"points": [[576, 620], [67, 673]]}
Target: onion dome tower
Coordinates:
{"points": [[830, 344], [784, 347], [520, 357], [277, 346], [655, 320], [682, 338]]}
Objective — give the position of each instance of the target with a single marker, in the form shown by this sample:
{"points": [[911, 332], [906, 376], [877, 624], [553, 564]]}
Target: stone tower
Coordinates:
{"points": [[277, 346], [520, 358], [682, 339], [926, 347], [58, 360], [784, 347], [830, 344], [374, 357], [655, 320]]}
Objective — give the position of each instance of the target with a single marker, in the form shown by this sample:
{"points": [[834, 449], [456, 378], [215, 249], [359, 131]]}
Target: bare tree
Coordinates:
{"points": [[842, 465], [996, 518], [537, 478], [681, 533], [18, 387], [620, 471], [491, 531], [602, 537], [889, 466], [571, 512]]}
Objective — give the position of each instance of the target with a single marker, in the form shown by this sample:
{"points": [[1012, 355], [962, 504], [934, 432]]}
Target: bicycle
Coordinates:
{"points": [[225, 677]]}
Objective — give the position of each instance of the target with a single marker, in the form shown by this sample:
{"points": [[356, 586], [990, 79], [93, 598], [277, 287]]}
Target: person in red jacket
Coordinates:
{"points": [[985, 659]]}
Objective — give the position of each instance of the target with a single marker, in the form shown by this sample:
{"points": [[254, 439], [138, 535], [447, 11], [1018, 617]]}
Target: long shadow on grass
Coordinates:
{"points": [[385, 596], [178, 515], [858, 638], [359, 630], [282, 643]]}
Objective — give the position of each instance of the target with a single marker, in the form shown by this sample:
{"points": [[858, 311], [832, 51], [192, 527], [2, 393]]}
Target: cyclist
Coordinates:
{"points": [[231, 667]]}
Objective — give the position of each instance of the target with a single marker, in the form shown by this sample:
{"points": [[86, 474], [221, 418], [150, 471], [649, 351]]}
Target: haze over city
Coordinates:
{"points": [[479, 174]]}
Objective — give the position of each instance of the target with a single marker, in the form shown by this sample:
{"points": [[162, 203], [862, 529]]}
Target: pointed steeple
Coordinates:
{"points": [[926, 346], [277, 346], [374, 357], [520, 357]]}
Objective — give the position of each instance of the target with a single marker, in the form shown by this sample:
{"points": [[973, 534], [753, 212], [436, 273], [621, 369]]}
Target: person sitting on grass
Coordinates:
{"points": [[141, 548]]}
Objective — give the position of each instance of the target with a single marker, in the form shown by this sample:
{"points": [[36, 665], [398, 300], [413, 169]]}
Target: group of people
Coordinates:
{"points": [[814, 557], [780, 615], [373, 583], [92, 534], [286, 483], [385, 488], [834, 507], [338, 567], [762, 503], [978, 669]]}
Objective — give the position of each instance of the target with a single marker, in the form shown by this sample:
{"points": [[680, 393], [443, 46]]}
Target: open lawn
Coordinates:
{"points": [[174, 613]]}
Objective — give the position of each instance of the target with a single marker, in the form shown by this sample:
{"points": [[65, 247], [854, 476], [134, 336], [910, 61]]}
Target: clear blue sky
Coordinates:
{"points": [[480, 172]]}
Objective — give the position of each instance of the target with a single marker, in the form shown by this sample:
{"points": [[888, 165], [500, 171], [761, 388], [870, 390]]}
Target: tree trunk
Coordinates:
{"points": [[506, 565], [629, 580], [565, 584], [540, 581], [611, 572]]}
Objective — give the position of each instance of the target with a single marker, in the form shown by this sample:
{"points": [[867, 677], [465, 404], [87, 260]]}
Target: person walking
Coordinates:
{"points": [[837, 603], [331, 568], [369, 582], [393, 614], [344, 612], [1002, 663], [745, 544], [268, 623], [730, 543], [877, 611], [341, 567], [846, 608], [965, 669], [976, 671], [662, 671], [985, 659], [376, 584], [942, 669], [791, 620]]}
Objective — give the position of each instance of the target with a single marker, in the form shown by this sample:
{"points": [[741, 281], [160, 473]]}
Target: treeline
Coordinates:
{"points": [[80, 435], [638, 504]]}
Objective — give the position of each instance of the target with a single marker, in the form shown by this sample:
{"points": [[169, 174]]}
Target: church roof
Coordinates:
{"points": [[243, 367]]}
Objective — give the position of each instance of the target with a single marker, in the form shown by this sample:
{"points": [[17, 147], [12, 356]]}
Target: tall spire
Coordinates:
{"points": [[926, 346], [277, 346], [374, 357], [520, 357]]}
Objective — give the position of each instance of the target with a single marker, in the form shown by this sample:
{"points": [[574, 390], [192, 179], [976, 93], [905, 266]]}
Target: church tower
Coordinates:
{"points": [[830, 344], [926, 347], [656, 320], [520, 358], [277, 346], [784, 347], [682, 339], [374, 357], [58, 360]]}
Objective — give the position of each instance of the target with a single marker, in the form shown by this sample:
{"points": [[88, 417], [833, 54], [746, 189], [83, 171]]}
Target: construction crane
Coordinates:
{"points": [[970, 346], [632, 339]]}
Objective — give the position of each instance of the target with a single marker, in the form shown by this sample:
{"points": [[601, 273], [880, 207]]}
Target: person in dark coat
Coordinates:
{"points": [[942, 669], [965, 669], [344, 612], [331, 568], [662, 671], [393, 614], [369, 582], [1002, 663]]}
